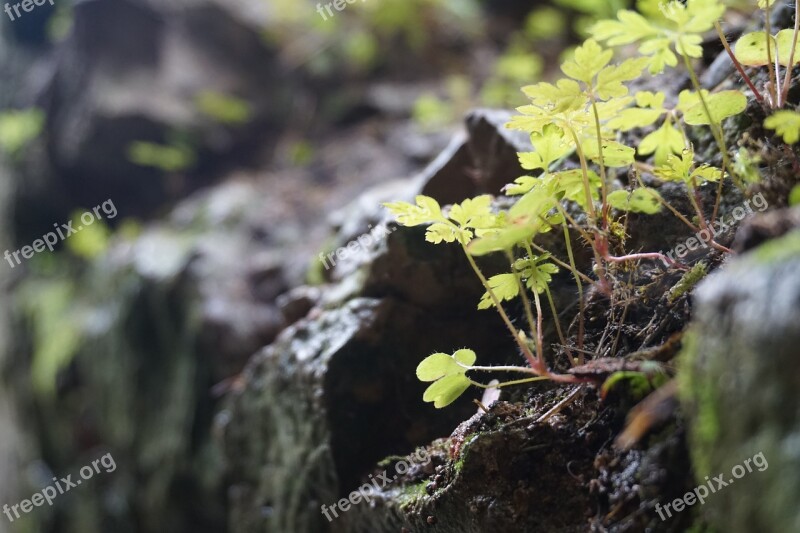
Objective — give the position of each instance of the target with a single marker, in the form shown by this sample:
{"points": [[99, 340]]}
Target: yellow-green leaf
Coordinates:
{"points": [[504, 287], [751, 48], [786, 124], [642, 200], [664, 142], [446, 390], [425, 211], [587, 61], [436, 366], [610, 80], [722, 105]]}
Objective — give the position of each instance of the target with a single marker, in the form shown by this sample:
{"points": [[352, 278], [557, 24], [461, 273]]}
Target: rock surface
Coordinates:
{"points": [[740, 386]]}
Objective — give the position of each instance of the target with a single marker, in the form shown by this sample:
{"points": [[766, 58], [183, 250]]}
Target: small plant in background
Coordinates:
{"points": [[223, 108], [432, 112], [174, 157], [19, 128], [585, 116]]}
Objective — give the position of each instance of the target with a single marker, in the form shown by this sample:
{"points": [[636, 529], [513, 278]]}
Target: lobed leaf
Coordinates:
{"points": [[425, 211], [504, 286], [642, 200], [587, 61], [663, 142], [448, 372], [786, 124]]}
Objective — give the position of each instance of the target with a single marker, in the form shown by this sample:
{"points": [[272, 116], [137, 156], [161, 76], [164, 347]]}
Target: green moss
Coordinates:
{"points": [[701, 396], [688, 281], [410, 494]]}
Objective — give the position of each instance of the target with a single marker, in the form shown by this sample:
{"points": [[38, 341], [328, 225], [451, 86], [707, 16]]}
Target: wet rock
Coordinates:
{"points": [[739, 383], [494, 149], [335, 393], [481, 160]]}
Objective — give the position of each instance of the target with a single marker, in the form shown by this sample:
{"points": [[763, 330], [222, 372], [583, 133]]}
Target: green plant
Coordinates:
{"points": [[224, 109], [585, 116], [19, 128], [169, 158]]}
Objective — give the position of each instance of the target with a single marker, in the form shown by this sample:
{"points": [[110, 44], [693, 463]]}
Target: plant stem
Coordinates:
{"points": [[522, 369], [736, 62], [640, 256], [670, 207], [587, 188], [603, 186], [575, 272], [772, 75], [559, 378], [526, 302], [561, 263], [539, 326], [790, 65], [716, 131], [536, 365], [561, 338]]}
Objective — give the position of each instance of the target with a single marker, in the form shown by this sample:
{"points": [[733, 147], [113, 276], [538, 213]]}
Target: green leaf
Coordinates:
{"points": [[677, 167], [722, 105], [437, 366], [615, 154], [642, 200], [680, 168], [786, 124], [629, 28], [439, 232], [223, 108], [471, 209], [505, 239], [564, 95], [448, 374], [680, 28], [538, 274], [504, 287], [664, 142], [425, 211], [169, 158], [751, 48], [91, 241], [610, 80], [521, 185], [794, 195], [570, 184], [634, 117], [465, 356], [549, 146], [587, 62], [446, 390], [19, 128]]}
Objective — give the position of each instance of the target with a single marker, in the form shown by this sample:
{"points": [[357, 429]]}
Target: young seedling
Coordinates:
{"points": [[583, 116]]}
